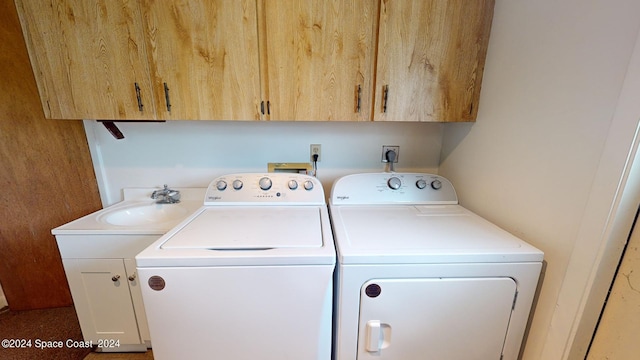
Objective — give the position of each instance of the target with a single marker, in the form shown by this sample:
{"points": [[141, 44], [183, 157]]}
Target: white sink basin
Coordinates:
{"points": [[144, 214]]}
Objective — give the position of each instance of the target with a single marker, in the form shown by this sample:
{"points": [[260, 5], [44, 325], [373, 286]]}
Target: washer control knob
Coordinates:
{"points": [[293, 184], [308, 185], [237, 184], [436, 184], [265, 183], [421, 184], [394, 183], [221, 185]]}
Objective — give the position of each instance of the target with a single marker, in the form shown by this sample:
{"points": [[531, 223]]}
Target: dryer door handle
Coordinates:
{"points": [[378, 336], [374, 336]]}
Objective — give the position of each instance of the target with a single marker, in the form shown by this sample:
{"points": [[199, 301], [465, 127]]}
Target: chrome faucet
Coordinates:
{"points": [[166, 196]]}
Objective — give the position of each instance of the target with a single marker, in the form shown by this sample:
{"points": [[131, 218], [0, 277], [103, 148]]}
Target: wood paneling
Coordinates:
{"points": [[46, 179]]}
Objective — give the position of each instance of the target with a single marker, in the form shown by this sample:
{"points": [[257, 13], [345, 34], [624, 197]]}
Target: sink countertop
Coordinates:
{"points": [[191, 199]]}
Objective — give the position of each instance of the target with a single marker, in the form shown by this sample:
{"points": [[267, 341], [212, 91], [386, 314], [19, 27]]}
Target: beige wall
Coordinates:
{"points": [[546, 134]]}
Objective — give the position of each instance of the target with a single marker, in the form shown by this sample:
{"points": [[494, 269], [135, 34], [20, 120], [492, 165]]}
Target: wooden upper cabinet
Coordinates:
{"points": [[184, 59], [331, 60], [317, 58], [430, 59], [206, 53], [87, 57]]}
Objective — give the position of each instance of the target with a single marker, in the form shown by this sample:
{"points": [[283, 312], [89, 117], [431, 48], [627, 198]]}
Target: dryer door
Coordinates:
{"points": [[435, 318]]}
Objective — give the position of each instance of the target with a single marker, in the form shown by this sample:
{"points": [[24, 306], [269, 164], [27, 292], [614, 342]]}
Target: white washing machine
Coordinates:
{"points": [[420, 277], [247, 276]]}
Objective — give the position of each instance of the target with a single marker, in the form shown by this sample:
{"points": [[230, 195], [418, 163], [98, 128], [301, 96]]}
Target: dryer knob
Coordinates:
{"points": [[394, 183], [221, 185], [308, 185], [265, 183], [436, 184], [421, 184], [293, 184], [237, 184]]}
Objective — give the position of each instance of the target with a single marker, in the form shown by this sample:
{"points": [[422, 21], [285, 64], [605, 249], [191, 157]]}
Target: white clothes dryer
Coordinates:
{"points": [[247, 276], [420, 277]]}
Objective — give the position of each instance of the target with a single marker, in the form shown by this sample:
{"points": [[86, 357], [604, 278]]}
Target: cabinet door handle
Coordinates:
{"points": [[385, 96], [358, 98], [166, 97], [140, 105], [268, 107], [115, 278], [132, 277]]}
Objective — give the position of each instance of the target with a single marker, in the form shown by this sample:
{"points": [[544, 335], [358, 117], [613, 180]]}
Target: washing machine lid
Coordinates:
{"points": [[245, 228], [405, 234], [246, 235]]}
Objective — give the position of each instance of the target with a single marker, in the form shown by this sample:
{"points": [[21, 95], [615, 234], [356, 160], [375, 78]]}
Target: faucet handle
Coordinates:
{"points": [[174, 196]]}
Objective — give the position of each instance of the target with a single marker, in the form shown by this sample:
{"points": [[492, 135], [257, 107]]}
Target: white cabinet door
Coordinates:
{"points": [[439, 318], [136, 298], [102, 299]]}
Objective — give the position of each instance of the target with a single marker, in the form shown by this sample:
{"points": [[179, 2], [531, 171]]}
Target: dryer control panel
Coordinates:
{"points": [[393, 188], [265, 188]]}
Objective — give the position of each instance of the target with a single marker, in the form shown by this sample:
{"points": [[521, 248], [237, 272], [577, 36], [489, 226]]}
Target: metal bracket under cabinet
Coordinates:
{"points": [[115, 132]]}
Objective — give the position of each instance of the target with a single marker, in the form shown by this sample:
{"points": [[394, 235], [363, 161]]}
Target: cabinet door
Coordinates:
{"points": [[101, 296], [430, 60], [136, 298], [318, 58], [87, 56], [206, 53]]}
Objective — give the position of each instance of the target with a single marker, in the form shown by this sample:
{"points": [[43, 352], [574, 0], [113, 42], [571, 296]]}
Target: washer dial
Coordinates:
{"points": [[237, 184], [293, 184], [221, 185], [308, 185], [421, 184], [436, 184], [265, 183], [394, 183]]}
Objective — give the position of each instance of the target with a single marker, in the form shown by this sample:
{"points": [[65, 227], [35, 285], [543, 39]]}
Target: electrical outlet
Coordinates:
{"points": [[315, 149], [386, 148]]}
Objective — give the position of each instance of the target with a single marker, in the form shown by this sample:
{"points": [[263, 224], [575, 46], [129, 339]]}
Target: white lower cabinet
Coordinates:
{"points": [[101, 272], [108, 302]]}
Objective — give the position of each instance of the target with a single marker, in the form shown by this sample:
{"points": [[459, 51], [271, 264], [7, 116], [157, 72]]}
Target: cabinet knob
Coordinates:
{"points": [[132, 277], [115, 278]]}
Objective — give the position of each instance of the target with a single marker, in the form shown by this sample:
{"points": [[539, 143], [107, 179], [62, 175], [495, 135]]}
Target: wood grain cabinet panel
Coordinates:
{"points": [[206, 53], [186, 60], [430, 60], [332, 60], [87, 57], [318, 59]]}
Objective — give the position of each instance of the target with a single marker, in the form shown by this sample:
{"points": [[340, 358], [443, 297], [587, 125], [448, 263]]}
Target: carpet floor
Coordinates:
{"points": [[23, 332]]}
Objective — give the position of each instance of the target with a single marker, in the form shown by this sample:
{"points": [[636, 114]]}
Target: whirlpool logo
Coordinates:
{"points": [[342, 197]]}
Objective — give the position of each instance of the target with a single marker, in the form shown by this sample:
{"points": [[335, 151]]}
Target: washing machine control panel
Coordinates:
{"points": [[393, 188], [265, 188]]}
